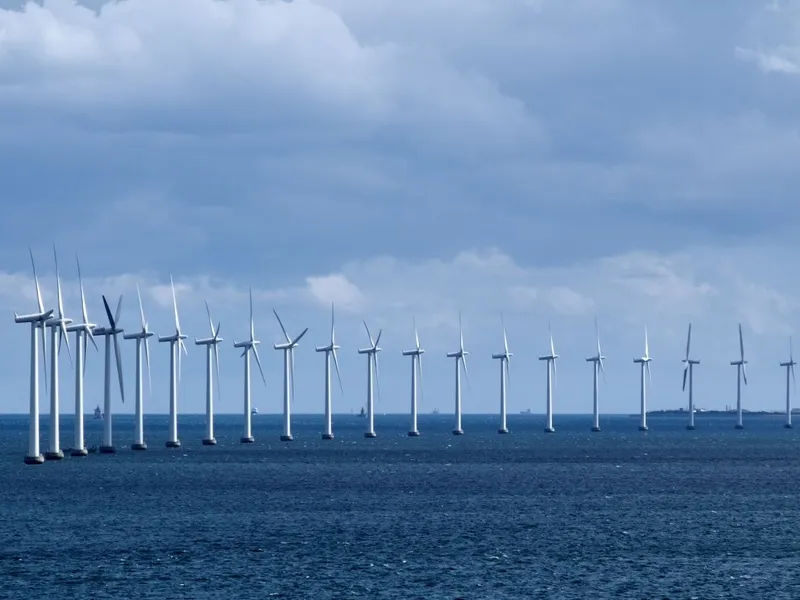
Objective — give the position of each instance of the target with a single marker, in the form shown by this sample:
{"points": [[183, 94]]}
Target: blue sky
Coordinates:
{"points": [[557, 161]]}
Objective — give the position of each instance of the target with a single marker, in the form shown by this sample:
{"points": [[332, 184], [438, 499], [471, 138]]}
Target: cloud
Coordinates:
{"points": [[782, 59]]}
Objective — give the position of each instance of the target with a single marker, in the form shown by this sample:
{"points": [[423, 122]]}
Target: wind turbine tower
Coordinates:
{"points": [[330, 350], [688, 371], [372, 368], [58, 333], [741, 375], [141, 339], [461, 359], [211, 344], [416, 380], [644, 362], [288, 377], [551, 374], [37, 321], [175, 346], [83, 333], [503, 358], [597, 368], [789, 367], [249, 346], [110, 333]]}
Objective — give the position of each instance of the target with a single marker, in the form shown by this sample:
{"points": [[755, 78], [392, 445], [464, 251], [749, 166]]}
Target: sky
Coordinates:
{"points": [[630, 161]]}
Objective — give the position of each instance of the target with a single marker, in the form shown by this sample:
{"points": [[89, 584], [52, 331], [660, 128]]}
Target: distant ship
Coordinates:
{"points": [[435, 411], [98, 414], [254, 411], [363, 413], [527, 411]]}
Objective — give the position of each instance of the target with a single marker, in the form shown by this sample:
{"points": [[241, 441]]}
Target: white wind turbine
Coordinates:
{"points": [[461, 359], [416, 372], [551, 375], [329, 350], [372, 367], [58, 333], [141, 339], [789, 367], [37, 321], [249, 345], [175, 346], [211, 346], [741, 374], [688, 372], [288, 377], [112, 331], [644, 362], [504, 359], [83, 334], [597, 368]]}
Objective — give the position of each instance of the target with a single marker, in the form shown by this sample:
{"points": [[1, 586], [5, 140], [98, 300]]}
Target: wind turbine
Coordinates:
{"points": [[288, 377], [211, 346], [58, 333], [249, 345], [416, 370], [329, 350], [372, 364], [688, 371], [741, 374], [597, 368], [460, 356], [644, 361], [112, 331], [551, 374], [503, 357], [37, 321], [141, 339], [789, 367], [83, 333], [175, 346]]}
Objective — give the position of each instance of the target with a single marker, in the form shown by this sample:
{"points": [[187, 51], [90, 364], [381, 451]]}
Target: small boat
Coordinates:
{"points": [[527, 411], [435, 411], [363, 413], [98, 414], [254, 411]]}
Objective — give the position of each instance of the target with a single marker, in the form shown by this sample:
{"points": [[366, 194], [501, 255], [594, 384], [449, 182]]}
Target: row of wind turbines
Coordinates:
{"points": [[60, 326]]}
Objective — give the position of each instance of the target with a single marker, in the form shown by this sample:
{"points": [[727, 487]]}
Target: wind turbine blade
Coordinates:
{"points": [[108, 313], [36, 281], [369, 335], [338, 373], [44, 358], [216, 362], [84, 314], [377, 372], [252, 323], [119, 367], [210, 322], [646, 344], [466, 372], [141, 307], [508, 371], [421, 384], [416, 334], [174, 304], [378, 339], [685, 373], [744, 373], [555, 373], [597, 337], [791, 352], [90, 335], [460, 333], [64, 336], [291, 371], [602, 369], [505, 337], [258, 362], [299, 337], [333, 326], [85, 343], [688, 341], [649, 373], [283, 329], [794, 381], [216, 333], [741, 343], [119, 310], [552, 346], [147, 360]]}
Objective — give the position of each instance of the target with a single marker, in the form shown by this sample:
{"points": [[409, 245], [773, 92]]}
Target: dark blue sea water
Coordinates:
{"points": [[712, 513]]}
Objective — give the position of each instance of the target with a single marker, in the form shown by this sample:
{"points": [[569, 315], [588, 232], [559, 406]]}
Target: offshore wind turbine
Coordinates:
{"points": [[175, 346], [211, 347], [83, 333], [372, 367], [597, 368], [37, 321], [249, 345], [688, 371], [460, 356], [741, 374], [416, 374], [288, 377], [644, 362], [58, 333], [789, 367], [112, 331], [503, 357], [141, 340], [329, 350], [551, 373]]}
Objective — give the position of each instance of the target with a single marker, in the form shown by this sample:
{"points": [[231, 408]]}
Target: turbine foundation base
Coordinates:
{"points": [[57, 455], [737, 426], [690, 427], [209, 442], [327, 436], [34, 460], [247, 439], [79, 452], [107, 449], [287, 438], [595, 429], [787, 425], [141, 446], [370, 434], [642, 427], [458, 432], [502, 431], [549, 430], [414, 433], [173, 444]]}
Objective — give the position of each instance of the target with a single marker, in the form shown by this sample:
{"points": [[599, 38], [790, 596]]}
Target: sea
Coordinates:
{"points": [[670, 513]]}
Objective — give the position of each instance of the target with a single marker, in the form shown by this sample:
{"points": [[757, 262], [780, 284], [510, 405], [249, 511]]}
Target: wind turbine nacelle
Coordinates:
{"points": [[328, 348], [459, 354], [500, 355], [138, 335], [413, 352], [81, 327], [369, 350], [248, 344], [32, 318], [171, 338], [284, 346], [207, 341], [55, 322]]}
